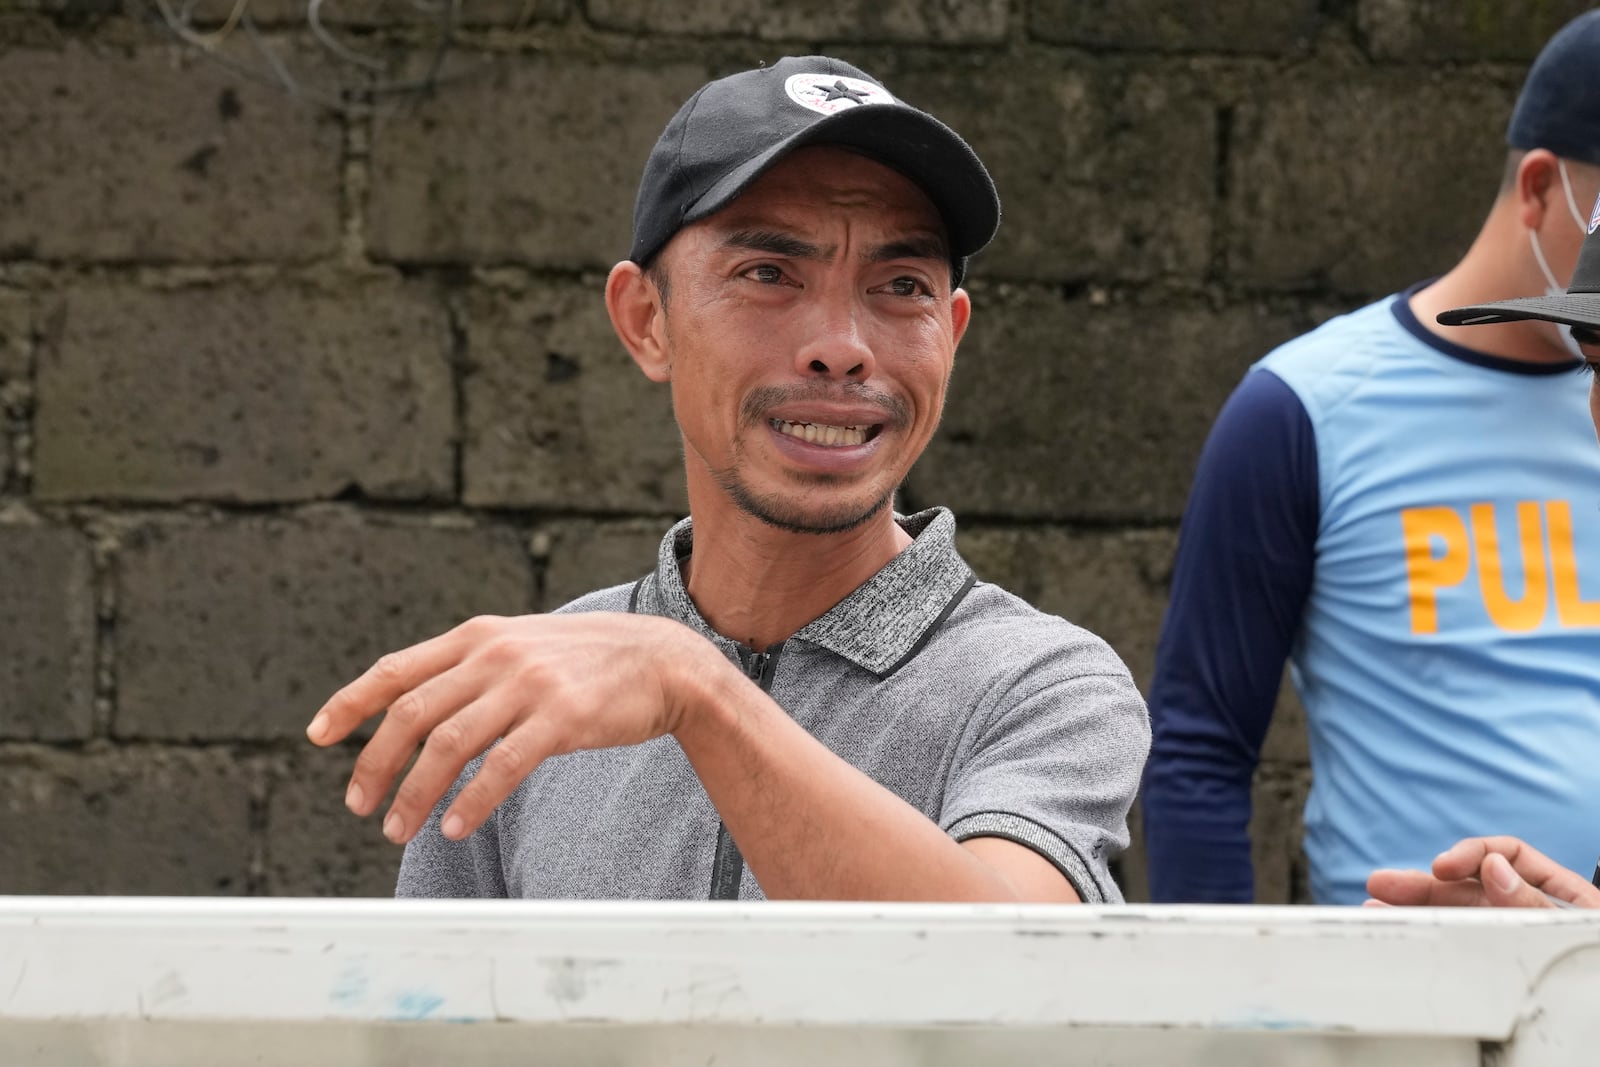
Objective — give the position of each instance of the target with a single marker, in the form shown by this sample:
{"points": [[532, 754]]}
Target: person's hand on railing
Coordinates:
{"points": [[1492, 872]]}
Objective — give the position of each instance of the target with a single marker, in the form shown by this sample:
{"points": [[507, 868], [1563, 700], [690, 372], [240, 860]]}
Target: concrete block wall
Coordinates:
{"points": [[285, 386]]}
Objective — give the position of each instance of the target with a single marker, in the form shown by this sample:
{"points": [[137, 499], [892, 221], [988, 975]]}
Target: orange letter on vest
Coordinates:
{"points": [[1571, 609], [1526, 613], [1426, 573]]}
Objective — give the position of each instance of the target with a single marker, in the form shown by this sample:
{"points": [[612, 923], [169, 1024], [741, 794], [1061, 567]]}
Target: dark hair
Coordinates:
{"points": [[656, 271]]}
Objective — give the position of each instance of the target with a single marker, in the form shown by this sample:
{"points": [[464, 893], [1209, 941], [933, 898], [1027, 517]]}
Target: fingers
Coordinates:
{"points": [[539, 685], [1465, 858], [503, 769], [1403, 888], [1547, 877], [385, 681], [1530, 865], [1505, 888], [1419, 889], [462, 733], [1503, 872], [429, 711], [449, 748]]}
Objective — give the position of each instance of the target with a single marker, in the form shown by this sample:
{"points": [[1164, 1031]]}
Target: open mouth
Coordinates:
{"points": [[817, 433]]}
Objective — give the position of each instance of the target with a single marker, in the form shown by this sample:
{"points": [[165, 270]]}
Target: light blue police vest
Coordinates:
{"points": [[1449, 658]]}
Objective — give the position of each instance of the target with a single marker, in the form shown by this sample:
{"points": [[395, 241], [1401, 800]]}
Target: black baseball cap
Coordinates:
{"points": [[1578, 306], [735, 128], [1559, 106]]}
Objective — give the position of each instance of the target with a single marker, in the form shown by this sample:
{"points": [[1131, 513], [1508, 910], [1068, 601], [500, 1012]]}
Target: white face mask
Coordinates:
{"points": [[1553, 287]]}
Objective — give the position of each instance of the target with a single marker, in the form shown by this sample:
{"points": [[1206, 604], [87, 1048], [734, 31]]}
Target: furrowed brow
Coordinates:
{"points": [[774, 243], [924, 246]]}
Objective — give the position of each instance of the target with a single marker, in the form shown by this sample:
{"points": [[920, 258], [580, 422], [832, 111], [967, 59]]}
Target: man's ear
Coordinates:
{"points": [[1537, 181], [960, 316], [640, 319]]}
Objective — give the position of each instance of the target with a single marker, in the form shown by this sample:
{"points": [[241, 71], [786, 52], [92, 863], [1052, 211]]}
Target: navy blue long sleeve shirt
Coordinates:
{"points": [[1246, 554]]}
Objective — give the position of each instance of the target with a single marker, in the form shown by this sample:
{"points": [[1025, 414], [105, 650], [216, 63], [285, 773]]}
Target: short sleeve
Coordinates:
{"points": [[1054, 766]]}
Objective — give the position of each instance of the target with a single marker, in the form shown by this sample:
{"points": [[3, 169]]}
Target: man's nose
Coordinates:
{"points": [[836, 346]]}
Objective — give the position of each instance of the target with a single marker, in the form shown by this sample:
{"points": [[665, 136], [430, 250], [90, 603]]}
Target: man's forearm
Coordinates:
{"points": [[810, 825]]}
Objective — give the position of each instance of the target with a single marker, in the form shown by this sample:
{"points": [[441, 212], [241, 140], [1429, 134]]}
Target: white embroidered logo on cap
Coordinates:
{"points": [[830, 93], [1594, 220]]}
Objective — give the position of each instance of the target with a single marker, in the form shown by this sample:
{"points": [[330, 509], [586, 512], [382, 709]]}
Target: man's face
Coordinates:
{"points": [[810, 329]]}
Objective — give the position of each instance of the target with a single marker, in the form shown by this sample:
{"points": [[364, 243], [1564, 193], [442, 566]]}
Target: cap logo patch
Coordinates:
{"points": [[1594, 220], [830, 93]]}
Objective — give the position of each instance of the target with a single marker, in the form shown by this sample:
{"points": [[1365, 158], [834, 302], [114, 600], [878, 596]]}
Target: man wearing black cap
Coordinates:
{"points": [[809, 697], [1505, 871], [1409, 520]]}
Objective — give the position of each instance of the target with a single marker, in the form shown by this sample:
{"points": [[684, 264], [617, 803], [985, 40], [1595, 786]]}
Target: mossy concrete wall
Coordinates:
{"points": [[284, 386]]}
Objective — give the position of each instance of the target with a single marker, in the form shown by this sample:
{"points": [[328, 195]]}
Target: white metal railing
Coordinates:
{"points": [[178, 982]]}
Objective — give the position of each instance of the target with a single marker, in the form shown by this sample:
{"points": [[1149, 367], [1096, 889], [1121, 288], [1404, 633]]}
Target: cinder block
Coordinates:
{"points": [[47, 632], [314, 846], [1488, 29], [16, 386], [242, 629], [1314, 202], [584, 556], [557, 413], [16, 337], [1103, 172], [933, 21], [159, 155], [1277, 831], [246, 394], [145, 820], [382, 14], [1287, 740], [1112, 583], [536, 161], [1177, 26], [1062, 408]]}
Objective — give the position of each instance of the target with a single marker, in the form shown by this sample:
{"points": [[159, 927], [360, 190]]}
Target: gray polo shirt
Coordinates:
{"points": [[989, 717]]}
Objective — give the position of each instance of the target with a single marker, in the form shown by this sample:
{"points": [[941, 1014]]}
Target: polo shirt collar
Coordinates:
{"points": [[879, 626]]}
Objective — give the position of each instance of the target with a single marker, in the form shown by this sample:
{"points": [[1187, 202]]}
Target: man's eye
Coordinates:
{"points": [[766, 273], [906, 287]]}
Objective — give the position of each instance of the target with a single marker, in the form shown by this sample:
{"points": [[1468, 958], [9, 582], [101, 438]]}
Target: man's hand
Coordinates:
{"points": [[542, 685], [1498, 872]]}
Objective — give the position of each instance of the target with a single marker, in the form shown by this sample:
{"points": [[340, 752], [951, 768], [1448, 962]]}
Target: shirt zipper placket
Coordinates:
{"points": [[727, 867]]}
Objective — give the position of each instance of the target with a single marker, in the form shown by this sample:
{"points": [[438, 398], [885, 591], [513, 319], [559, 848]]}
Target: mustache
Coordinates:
{"points": [[896, 412]]}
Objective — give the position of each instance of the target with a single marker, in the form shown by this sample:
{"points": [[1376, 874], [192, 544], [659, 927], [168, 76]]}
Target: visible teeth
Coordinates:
{"points": [[819, 434]]}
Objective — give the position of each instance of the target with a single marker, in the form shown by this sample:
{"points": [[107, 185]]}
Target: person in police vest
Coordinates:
{"points": [[1507, 871], [1404, 512]]}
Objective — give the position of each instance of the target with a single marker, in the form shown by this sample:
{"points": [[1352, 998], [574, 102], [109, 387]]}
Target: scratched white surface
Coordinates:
{"points": [[134, 981]]}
